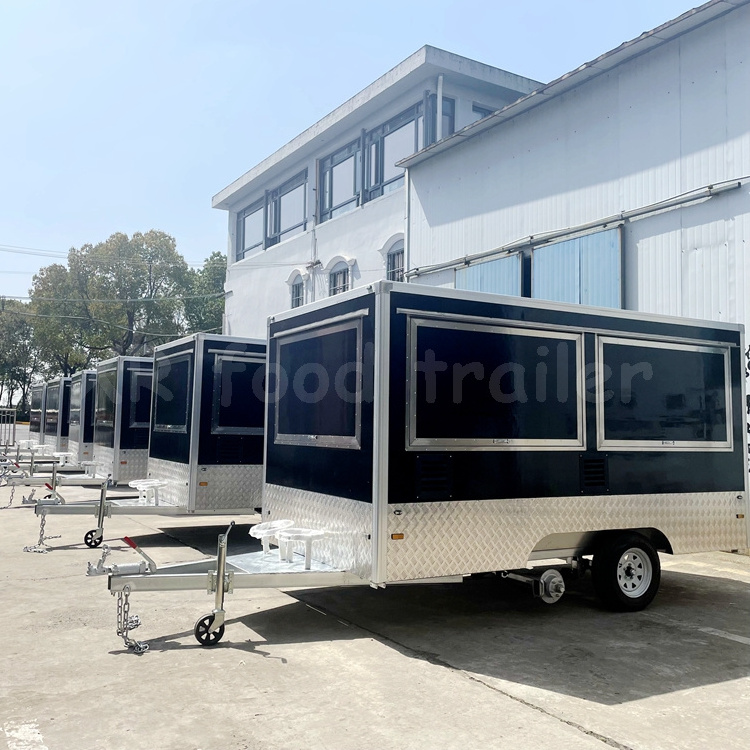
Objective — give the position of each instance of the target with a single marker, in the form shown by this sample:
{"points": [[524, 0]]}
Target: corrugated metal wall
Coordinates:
{"points": [[673, 120], [500, 276]]}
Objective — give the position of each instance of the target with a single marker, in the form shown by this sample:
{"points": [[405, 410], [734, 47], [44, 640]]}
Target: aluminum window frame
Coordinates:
{"points": [[663, 445], [327, 209], [339, 279], [253, 208], [274, 232], [80, 385], [171, 360], [219, 358], [297, 292], [135, 388], [447, 321], [349, 322]]}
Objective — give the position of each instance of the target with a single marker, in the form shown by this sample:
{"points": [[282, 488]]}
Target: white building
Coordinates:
{"points": [[327, 211], [623, 183]]}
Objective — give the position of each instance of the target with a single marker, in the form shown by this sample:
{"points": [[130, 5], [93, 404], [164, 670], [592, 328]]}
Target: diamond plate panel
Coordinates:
{"points": [[452, 538], [75, 448], [105, 460], [229, 487], [178, 477], [349, 523], [135, 468]]}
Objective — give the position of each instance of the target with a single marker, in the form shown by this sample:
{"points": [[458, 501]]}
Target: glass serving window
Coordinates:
{"points": [[75, 403], [140, 398], [474, 387], [106, 398], [52, 411], [659, 395], [318, 382], [174, 384], [238, 403]]}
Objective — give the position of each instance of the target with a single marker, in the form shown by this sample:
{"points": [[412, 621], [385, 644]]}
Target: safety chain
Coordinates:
{"points": [[127, 622], [41, 545], [12, 493]]}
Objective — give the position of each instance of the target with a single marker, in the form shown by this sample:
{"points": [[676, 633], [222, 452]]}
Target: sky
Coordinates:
{"points": [[130, 116]]}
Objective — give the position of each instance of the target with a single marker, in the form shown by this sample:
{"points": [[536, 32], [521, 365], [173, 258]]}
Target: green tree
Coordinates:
{"points": [[204, 305], [20, 359], [130, 292], [59, 323]]}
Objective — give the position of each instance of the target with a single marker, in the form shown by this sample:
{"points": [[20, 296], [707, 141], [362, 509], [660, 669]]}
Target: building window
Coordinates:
{"points": [[390, 143], [338, 281], [480, 111], [286, 210], [281, 214], [395, 263], [340, 181], [250, 230], [298, 292], [449, 118]]}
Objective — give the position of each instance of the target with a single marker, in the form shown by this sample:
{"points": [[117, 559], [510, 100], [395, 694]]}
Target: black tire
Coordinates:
{"points": [[92, 540], [202, 632], [626, 572]]}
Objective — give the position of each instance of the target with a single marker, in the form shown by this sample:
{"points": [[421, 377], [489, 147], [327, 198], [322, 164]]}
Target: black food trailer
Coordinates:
{"points": [[422, 434], [36, 413], [122, 417], [82, 402], [57, 414], [206, 443]]}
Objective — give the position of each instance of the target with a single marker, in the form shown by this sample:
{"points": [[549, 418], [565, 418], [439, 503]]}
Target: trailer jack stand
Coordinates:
{"points": [[95, 537], [41, 545], [209, 629], [549, 586]]}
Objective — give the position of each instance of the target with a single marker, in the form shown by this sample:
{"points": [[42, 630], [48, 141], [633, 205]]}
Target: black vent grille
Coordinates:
{"points": [[434, 477], [228, 452], [594, 474]]}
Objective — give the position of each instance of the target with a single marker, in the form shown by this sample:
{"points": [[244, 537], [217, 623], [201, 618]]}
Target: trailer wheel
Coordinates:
{"points": [[203, 633], [626, 572], [91, 539]]}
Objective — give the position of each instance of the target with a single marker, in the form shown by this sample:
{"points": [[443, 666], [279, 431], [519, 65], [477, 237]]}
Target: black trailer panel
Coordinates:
{"points": [[206, 442], [81, 421], [36, 411]]}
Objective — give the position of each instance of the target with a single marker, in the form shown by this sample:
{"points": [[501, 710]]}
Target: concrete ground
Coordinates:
{"points": [[473, 665]]}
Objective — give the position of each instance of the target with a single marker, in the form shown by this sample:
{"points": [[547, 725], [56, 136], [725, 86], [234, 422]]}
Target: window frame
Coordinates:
{"points": [[327, 210], [395, 272], [253, 208], [219, 358], [481, 110], [662, 445], [274, 233], [297, 292], [133, 406], [374, 150], [343, 323], [171, 360], [465, 322], [335, 288]]}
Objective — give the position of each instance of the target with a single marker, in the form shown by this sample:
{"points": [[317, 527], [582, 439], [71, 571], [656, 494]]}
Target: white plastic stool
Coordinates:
{"points": [[287, 537], [148, 489], [268, 530]]}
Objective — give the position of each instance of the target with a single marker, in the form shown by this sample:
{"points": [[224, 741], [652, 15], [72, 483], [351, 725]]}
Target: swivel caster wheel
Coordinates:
{"points": [[92, 539], [203, 634]]}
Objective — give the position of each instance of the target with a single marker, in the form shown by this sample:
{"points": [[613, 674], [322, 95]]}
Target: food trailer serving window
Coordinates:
{"points": [[75, 403], [173, 383], [656, 395], [52, 412], [140, 398], [477, 386], [317, 383], [238, 394]]}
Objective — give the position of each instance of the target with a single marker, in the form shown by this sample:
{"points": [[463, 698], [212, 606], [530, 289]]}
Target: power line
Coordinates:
{"points": [[136, 299]]}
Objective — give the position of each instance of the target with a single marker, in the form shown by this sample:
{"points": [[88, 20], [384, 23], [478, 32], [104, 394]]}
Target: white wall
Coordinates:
{"points": [[670, 121], [258, 285]]}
